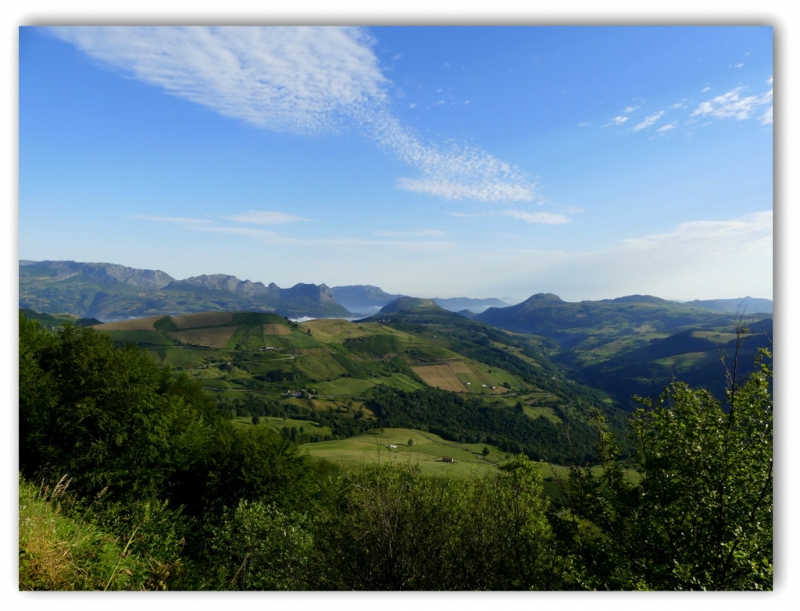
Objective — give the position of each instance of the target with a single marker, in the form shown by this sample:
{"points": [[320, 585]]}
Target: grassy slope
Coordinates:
{"points": [[60, 552], [427, 451]]}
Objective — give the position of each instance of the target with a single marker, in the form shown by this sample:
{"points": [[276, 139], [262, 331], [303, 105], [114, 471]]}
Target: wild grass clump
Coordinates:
{"points": [[60, 552]]}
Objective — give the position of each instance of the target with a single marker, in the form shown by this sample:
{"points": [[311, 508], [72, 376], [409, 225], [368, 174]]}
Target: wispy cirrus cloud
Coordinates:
{"points": [[255, 217], [734, 104], [409, 234], [274, 238], [544, 218], [649, 120], [305, 80], [178, 220]]}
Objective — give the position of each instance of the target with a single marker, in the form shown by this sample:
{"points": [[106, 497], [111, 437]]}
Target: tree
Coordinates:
{"points": [[701, 517], [485, 451], [107, 416], [256, 419], [259, 547], [410, 442]]}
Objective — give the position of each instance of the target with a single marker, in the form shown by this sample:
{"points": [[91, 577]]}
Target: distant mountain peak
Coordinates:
{"points": [[545, 297]]}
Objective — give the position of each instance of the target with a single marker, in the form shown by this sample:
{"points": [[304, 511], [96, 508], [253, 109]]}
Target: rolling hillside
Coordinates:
{"points": [[352, 376]]}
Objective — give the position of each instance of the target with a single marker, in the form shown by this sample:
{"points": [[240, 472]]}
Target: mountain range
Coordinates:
{"points": [[111, 292]]}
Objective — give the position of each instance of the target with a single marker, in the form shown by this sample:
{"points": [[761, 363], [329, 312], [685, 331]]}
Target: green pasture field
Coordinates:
{"points": [[252, 338], [398, 380], [295, 340], [279, 423], [258, 318], [687, 359], [348, 387], [237, 336], [189, 357], [328, 405], [429, 352], [337, 331], [215, 383], [320, 366], [517, 352], [154, 338], [618, 346], [547, 412], [427, 451], [491, 376], [719, 337]]}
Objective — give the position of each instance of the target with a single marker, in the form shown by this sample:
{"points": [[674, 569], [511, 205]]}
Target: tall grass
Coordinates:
{"points": [[58, 551]]}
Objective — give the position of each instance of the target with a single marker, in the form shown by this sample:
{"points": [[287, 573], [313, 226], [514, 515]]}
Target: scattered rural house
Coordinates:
{"points": [[390, 446], [447, 459], [268, 348], [297, 394]]}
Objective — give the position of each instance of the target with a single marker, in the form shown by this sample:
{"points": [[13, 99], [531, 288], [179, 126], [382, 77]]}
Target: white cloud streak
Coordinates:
{"points": [[255, 217], [544, 218], [307, 80], [620, 120], [649, 120], [409, 234], [178, 220], [271, 237], [732, 104]]}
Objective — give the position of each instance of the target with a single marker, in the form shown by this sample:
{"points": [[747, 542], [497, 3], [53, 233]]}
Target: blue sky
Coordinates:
{"points": [[591, 162]]}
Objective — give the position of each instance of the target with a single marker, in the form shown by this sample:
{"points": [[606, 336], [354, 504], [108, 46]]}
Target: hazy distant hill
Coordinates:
{"points": [[743, 305], [408, 303], [456, 304], [367, 299], [692, 356], [52, 322], [113, 292], [362, 298], [635, 344], [571, 323]]}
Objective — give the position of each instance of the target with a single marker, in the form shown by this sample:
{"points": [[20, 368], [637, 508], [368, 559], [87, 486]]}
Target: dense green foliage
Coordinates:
{"points": [[701, 517], [111, 418], [389, 528]]}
